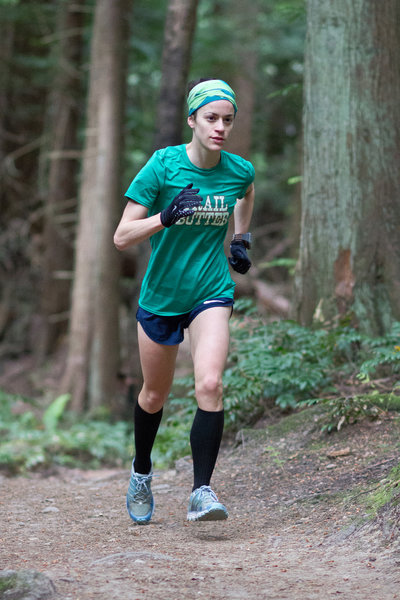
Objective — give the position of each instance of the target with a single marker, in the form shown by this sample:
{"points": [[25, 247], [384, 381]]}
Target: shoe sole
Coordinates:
{"points": [[214, 514]]}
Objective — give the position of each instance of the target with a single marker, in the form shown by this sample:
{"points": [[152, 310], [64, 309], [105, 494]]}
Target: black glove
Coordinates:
{"points": [[239, 259], [183, 205]]}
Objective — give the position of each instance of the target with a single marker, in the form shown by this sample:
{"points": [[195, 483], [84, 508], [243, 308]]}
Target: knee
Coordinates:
{"points": [[152, 400], [209, 392]]}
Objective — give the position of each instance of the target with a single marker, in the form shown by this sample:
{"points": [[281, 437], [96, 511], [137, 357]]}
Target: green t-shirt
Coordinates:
{"points": [[188, 264]]}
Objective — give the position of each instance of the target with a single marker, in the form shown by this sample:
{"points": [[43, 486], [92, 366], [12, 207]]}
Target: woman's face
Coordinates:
{"points": [[212, 124]]}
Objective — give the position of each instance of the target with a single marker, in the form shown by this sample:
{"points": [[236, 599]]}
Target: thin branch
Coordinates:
{"points": [[9, 161], [62, 35]]}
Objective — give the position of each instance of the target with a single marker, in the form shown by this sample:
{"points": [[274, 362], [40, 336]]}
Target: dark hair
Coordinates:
{"points": [[194, 82]]}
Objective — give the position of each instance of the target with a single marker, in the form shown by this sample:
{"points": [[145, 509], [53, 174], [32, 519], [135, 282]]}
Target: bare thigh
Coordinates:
{"points": [[158, 367]]}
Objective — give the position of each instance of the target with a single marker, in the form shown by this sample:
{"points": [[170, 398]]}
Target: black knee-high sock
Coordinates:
{"points": [[145, 428], [205, 440]]}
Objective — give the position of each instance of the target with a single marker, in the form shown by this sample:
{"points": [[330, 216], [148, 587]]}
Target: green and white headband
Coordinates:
{"points": [[210, 91]]}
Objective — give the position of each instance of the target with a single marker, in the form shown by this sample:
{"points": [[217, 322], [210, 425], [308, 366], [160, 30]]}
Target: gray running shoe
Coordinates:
{"points": [[139, 499], [204, 506]]}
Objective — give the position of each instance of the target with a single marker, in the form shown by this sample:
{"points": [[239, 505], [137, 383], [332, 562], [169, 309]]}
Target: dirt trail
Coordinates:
{"points": [[290, 533]]}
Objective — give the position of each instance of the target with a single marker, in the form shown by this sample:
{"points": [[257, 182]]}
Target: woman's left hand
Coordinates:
{"points": [[239, 260]]}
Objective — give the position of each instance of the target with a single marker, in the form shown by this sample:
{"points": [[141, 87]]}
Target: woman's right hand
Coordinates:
{"points": [[183, 205]]}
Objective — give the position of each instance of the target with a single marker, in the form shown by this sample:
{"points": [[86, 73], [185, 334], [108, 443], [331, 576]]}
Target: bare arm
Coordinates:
{"points": [[135, 226], [244, 210]]}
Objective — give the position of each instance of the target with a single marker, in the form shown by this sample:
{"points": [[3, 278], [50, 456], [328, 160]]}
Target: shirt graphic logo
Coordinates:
{"points": [[214, 212]]}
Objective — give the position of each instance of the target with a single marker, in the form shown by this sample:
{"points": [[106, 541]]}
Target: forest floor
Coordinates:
{"points": [[297, 526]]}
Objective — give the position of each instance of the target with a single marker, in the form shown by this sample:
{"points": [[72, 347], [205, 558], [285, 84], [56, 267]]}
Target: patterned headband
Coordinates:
{"points": [[209, 91]]}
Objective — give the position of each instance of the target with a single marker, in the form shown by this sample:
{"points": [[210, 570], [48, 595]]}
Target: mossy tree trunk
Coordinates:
{"points": [[349, 260]]}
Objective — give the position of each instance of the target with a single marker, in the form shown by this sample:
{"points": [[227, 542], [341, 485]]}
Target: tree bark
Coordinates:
{"points": [[6, 50], [349, 261], [244, 16], [92, 365], [178, 36], [60, 197]]}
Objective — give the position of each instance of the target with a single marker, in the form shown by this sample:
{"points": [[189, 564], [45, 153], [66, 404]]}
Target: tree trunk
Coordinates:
{"points": [[178, 36], [6, 50], [244, 16], [92, 365], [349, 262], [61, 154]]}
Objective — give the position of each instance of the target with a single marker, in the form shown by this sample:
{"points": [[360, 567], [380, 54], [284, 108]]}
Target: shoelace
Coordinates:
{"points": [[138, 490], [207, 493]]}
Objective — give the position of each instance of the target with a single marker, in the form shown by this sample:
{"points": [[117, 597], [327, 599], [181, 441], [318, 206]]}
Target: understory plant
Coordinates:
{"points": [[35, 439], [373, 389], [349, 375], [293, 366]]}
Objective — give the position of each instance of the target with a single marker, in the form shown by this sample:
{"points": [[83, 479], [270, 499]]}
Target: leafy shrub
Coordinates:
{"points": [[294, 365], [30, 441], [38, 439], [347, 410], [376, 356], [280, 362], [383, 352]]}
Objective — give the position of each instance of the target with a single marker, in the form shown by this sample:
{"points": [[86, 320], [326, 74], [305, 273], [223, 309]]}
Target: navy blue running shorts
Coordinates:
{"points": [[169, 330]]}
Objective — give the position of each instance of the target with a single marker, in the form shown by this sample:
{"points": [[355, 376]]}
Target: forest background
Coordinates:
{"points": [[88, 90]]}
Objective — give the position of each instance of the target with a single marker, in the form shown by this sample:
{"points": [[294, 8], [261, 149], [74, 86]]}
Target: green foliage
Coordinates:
{"points": [[274, 456], [54, 412], [291, 10], [172, 440], [295, 179], [9, 582], [295, 366], [385, 352], [280, 362], [285, 91], [279, 100], [346, 410], [29, 441], [387, 492], [288, 263], [143, 81], [376, 356]]}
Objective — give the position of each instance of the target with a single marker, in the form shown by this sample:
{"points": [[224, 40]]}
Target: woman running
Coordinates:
{"points": [[182, 200]]}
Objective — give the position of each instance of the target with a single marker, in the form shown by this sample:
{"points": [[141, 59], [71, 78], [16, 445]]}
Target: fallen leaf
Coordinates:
{"points": [[336, 453]]}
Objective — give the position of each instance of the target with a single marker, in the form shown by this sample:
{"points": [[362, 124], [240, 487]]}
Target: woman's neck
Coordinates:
{"points": [[201, 157]]}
